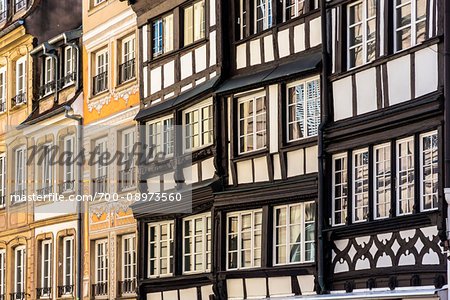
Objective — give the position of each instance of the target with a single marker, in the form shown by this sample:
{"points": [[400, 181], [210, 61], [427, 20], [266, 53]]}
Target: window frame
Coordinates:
{"points": [[238, 234], [354, 201], [268, 22], [305, 83], [21, 64], [165, 35], [199, 124], [375, 177], [131, 42], [284, 8], [397, 176], [421, 165], [46, 167], [288, 225], [170, 238], [131, 132], [344, 185], [364, 42], [69, 239], [3, 88], [105, 269], [133, 256], [99, 169], [3, 10], [204, 237], [69, 169], [46, 244], [3, 271], [23, 172], [253, 98], [412, 25], [161, 135], [69, 67], [202, 23], [20, 250]]}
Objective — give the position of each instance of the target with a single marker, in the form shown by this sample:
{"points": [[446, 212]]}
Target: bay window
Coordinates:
{"points": [[382, 180], [410, 21], [405, 176], [163, 35], [160, 249], [161, 135], [339, 191], [294, 233], [360, 188], [303, 109], [198, 126], [429, 171], [194, 22], [361, 33], [252, 123], [244, 239], [197, 244]]}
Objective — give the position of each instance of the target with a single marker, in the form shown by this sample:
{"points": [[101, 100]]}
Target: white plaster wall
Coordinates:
{"points": [[208, 169], [268, 48], [212, 48], [299, 38], [280, 286], [188, 294], [311, 159], [144, 42], [255, 52], [154, 296], [212, 12], [283, 43], [235, 289], [200, 59], [276, 167], [342, 98], [244, 173], [191, 174], [399, 80], [256, 287], [206, 291], [170, 295], [261, 169], [306, 283], [186, 65], [366, 91], [295, 163], [273, 117], [153, 184], [426, 71], [169, 74], [155, 80], [169, 181], [145, 79], [315, 32], [241, 56]]}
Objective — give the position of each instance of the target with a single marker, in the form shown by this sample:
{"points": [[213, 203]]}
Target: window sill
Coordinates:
{"points": [[122, 84], [186, 48], [250, 154], [300, 142], [102, 93]]}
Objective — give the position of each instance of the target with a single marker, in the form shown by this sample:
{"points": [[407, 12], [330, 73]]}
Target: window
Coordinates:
{"points": [[20, 269], [128, 139], [127, 68], [161, 137], [294, 233], [2, 272], [127, 178], [129, 257], [101, 261], [49, 76], [3, 10], [2, 181], [293, 9], [3, 89], [68, 66], [97, 2], [69, 176], [20, 171], [405, 176], [197, 244], [252, 123], [360, 186], [101, 148], [46, 267], [19, 4], [163, 35], [382, 180], [194, 22], [198, 126], [361, 32], [303, 109], [429, 171], [410, 22], [242, 19], [101, 72], [68, 262], [263, 15], [244, 239], [20, 78], [47, 169], [160, 250], [339, 183]]}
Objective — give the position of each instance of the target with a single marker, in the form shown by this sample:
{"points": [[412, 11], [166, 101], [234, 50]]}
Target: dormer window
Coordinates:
{"points": [[49, 80], [69, 74]]}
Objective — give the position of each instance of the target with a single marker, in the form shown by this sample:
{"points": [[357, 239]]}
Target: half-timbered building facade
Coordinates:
{"points": [[383, 206]]}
